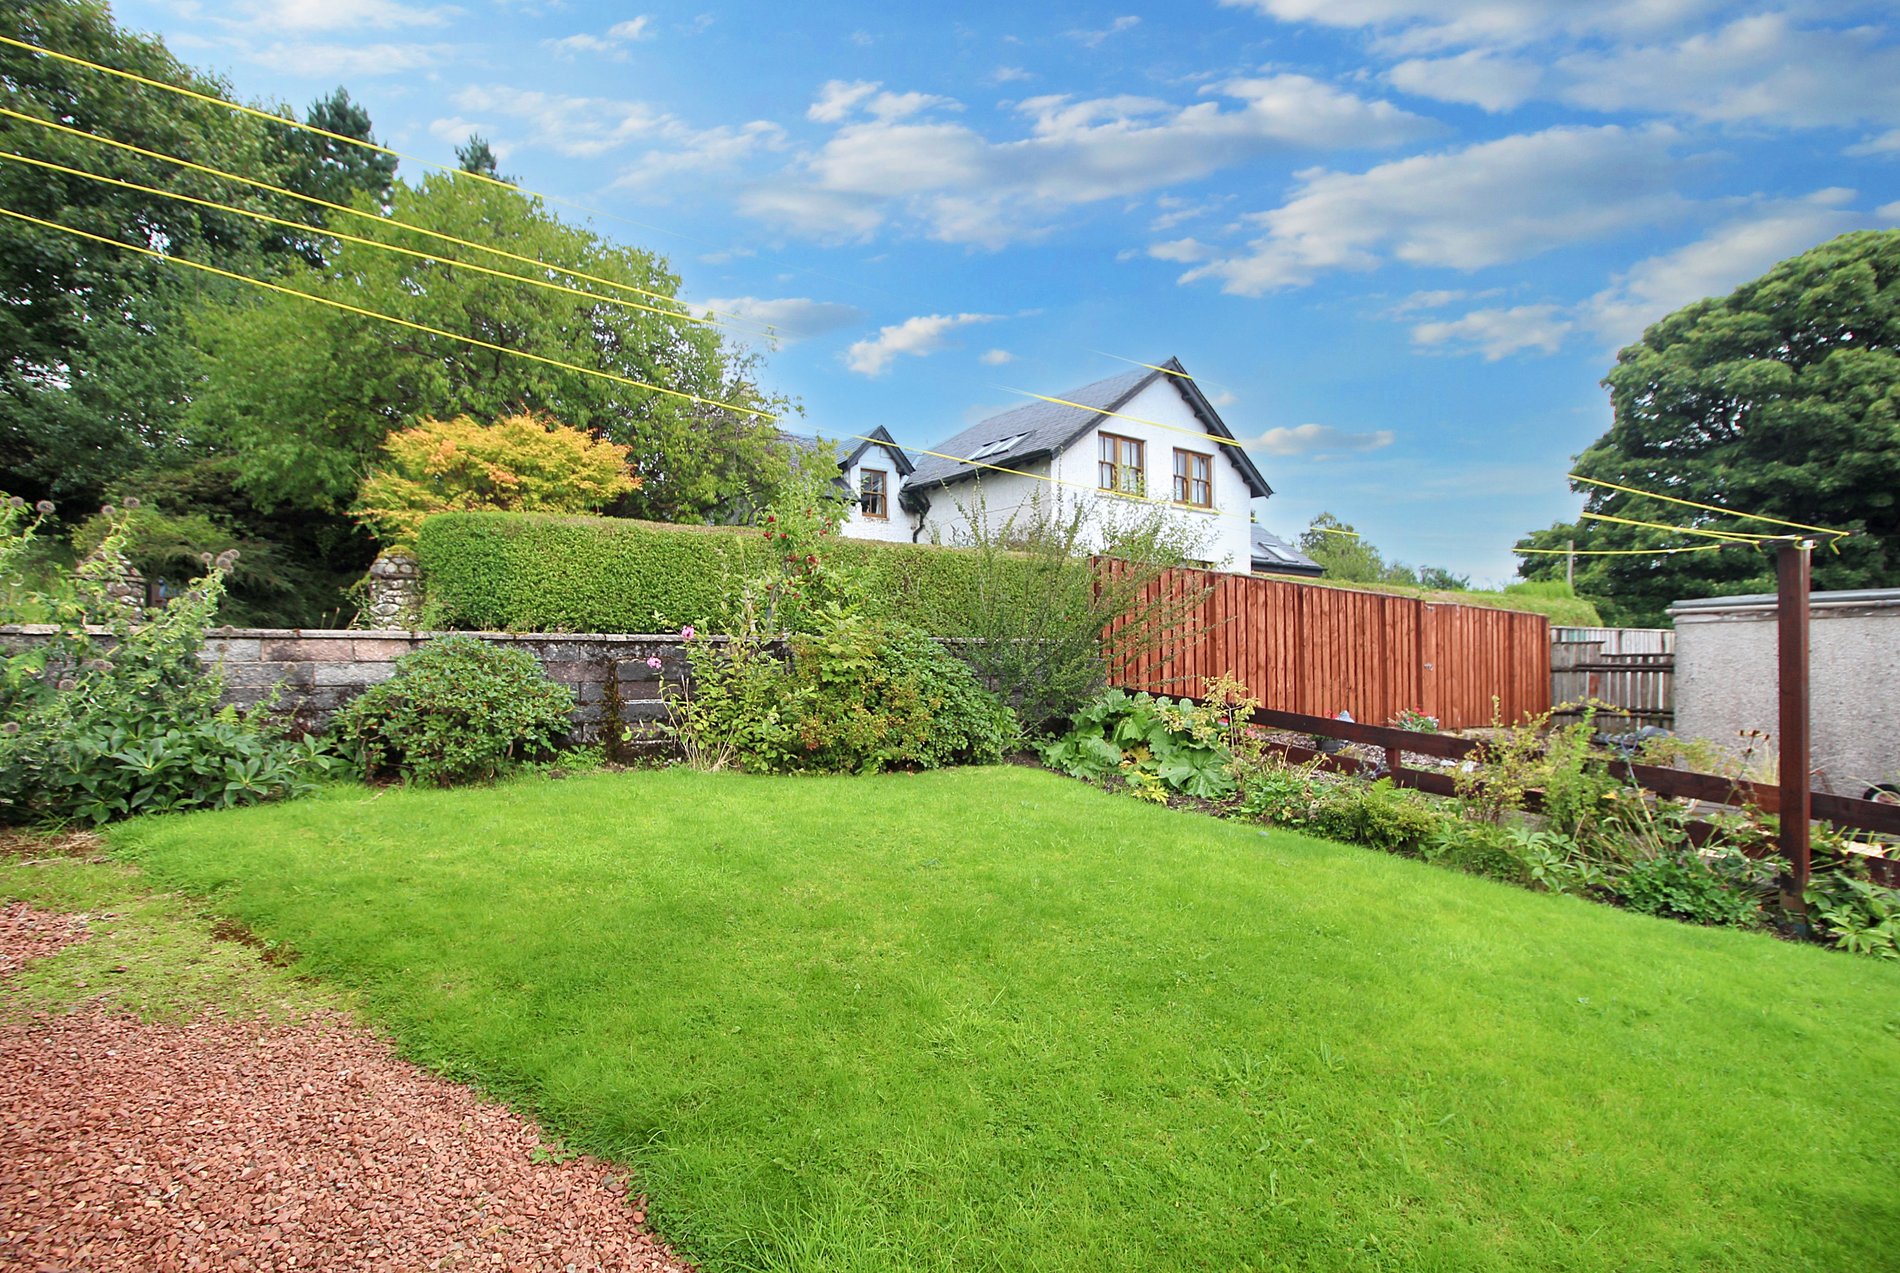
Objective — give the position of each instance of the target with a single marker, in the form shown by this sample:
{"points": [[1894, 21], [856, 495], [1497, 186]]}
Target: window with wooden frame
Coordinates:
{"points": [[1124, 464], [1193, 478], [872, 494]]}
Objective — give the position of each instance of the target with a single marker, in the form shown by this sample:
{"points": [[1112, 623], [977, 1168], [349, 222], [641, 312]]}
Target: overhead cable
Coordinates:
{"points": [[1709, 508], [253, 182], [439, 259], [386, 318]]}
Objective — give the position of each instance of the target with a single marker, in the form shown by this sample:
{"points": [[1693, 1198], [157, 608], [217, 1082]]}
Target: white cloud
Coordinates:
{"points": [[590, 127], [792, 318], [612, 45], [916, 337], [1477, 77], [1888, 143], [996, 357], [837, 98], [1093, 39], [1742, 248], [1307, 439], [966, 188], [1498, 333], [346, 15], [1431, 24], [1187, 251], [1487, 204], [1759, 69], [1730, 255], [1009, 75], [355, 60]]}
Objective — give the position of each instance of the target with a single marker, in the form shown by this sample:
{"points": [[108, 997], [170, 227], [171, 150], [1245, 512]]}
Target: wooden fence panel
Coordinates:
{"points": [[1320, 651]]}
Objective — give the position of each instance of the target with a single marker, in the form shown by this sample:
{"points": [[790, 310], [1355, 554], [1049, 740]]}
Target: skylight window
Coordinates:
{"points": [[999, 447]]}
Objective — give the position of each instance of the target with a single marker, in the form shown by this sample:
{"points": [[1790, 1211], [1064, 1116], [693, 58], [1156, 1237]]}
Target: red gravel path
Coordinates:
{"points": [[226, 1145]]}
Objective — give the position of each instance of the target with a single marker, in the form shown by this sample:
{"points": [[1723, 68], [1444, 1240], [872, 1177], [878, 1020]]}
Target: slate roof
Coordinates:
{"points": [[1048, 427], [1274, 556]]}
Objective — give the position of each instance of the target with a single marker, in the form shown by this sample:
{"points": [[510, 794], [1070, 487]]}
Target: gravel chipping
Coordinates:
{"points": [[230, 1145], [26, 933]]}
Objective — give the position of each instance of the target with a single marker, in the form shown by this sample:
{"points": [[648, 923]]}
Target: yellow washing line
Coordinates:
{"points": [[284, 122], [1727, 536], [1627, 552], [356, 212], [300, 126], [595, 297], [1709, 508], [518, 353], [400, 322], [1120, 415]]}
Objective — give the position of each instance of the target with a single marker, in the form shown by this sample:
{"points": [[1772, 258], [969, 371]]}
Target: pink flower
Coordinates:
{"points": [[654, 663], [686, 633]]}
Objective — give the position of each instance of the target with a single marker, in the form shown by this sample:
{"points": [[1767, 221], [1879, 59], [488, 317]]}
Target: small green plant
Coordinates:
{"points": [[1477, 848], [1556, 863], [457, 710], [1855, 914], [1182, 745], [1717, 887], [1416, 721], [1377, 814]]}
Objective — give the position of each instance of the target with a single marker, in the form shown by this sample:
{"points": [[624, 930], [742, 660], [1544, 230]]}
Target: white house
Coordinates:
{"points": [[1145, 439]]}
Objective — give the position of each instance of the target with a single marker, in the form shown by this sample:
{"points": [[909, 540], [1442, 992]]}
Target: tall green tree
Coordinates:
{"points": [[1781, 399], [303, 395], [94, 365], [332, 170], [477, 156]]}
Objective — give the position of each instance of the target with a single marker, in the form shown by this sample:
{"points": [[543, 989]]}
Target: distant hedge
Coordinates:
{"points": [[526, 572], [541, 572]]}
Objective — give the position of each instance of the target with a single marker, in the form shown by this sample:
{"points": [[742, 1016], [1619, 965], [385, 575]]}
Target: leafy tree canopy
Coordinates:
{"points": [[303, 395], [1781, 399], [1351, 558], [94, 369]]}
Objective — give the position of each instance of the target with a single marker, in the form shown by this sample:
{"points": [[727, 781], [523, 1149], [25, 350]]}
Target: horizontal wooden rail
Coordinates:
{"points": [[1847, 812]]}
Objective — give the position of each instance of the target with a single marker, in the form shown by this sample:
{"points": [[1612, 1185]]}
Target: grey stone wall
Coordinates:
{"points": [[1727, 679], [312, 672]]}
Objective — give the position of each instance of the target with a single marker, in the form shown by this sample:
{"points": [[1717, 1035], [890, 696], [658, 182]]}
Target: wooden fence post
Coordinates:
{"points": [[1791, 640]]}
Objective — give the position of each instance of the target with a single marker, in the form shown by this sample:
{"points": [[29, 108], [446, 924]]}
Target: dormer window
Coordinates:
{"points": [[873, 494]]}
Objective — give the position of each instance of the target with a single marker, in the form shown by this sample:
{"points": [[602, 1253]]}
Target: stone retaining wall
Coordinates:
{"points": [[315, 671]]}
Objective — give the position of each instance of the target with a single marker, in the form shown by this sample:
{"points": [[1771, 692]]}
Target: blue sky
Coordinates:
{"points": [[1399, 241]]}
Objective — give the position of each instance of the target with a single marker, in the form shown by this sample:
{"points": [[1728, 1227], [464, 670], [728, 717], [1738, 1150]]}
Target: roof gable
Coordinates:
{"points": [[1042, 428], [880, 437]]}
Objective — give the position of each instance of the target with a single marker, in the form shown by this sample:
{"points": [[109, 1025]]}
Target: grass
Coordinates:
{"points": [[155, 956], [996, 1019]]}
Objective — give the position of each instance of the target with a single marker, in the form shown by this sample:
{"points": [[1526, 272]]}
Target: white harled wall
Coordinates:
{"points": [[898, 527]]}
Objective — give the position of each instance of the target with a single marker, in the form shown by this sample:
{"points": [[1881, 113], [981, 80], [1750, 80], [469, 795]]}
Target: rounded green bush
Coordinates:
{"points": [[457, 710]]}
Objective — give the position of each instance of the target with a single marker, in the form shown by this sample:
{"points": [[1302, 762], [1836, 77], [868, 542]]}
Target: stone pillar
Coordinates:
{"points": [[394, 589]]}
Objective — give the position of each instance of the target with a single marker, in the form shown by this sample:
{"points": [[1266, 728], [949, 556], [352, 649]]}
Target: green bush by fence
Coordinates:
{"points": [[526, 572]]}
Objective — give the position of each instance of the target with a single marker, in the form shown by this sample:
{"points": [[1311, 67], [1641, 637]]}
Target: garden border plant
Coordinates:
{"points": [[1541, 809], [113, 713]]}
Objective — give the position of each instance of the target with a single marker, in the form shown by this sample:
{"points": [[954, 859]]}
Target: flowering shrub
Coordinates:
{"points": [[114, 713], [457, 710]]}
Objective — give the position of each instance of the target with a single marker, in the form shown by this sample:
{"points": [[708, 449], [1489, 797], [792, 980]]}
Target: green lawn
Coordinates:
{"points": [[996, 1019]]}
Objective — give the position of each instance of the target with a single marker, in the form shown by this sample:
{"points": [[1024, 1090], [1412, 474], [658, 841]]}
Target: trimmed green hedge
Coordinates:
{"points": [[541, 572], [531, 572]]}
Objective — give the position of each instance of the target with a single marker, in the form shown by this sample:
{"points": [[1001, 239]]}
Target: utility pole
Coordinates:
{"points": [[1570, 564], [1791, 640]]}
